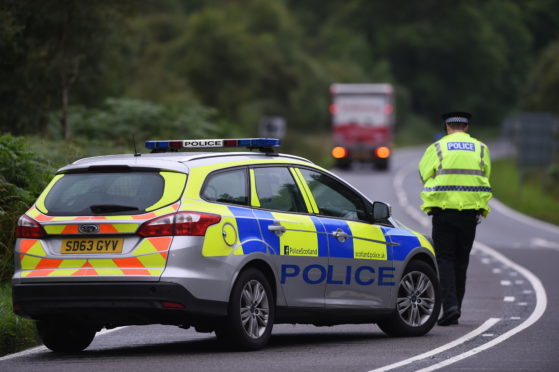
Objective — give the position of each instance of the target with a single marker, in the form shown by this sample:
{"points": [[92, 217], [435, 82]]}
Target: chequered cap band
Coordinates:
{"points": [[456, 119]]}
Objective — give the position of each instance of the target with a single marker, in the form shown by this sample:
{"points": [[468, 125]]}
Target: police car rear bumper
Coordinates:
{"points": [[115, 304]]}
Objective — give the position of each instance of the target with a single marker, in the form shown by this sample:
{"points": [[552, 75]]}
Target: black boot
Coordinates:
{"points": [[449, 318]]}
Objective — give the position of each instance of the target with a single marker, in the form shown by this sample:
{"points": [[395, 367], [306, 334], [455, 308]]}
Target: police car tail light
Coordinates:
{"points": [[181, 223], [161, 226], [382, 152], [28, 228], [194, 223]]}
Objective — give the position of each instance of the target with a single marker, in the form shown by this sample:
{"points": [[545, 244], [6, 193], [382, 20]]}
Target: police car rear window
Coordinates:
{"points": [[126, 193]]}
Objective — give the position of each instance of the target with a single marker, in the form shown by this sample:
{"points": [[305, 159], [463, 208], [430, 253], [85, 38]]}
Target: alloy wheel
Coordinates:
{"points": [[416, 298], [255, 309]]}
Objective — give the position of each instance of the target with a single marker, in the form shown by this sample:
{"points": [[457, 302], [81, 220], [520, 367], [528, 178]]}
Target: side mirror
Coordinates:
{"points": [[381, 211]]}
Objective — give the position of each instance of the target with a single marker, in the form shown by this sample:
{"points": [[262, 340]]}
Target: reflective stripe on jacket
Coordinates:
{"points": [[455, 172]]}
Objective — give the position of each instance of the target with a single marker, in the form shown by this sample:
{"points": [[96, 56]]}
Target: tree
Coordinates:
{"points": [[541, 92], [51, 48]]}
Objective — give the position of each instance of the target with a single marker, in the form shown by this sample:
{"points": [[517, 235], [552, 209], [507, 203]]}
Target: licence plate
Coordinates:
{"points": [[92, 245]]}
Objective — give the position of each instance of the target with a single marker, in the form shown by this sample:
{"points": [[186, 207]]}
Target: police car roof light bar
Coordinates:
{"points": [[263, 144]]}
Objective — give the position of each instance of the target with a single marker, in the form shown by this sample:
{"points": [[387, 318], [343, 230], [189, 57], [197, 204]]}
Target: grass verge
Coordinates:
{"points": [[537, 195], [16, 333]]}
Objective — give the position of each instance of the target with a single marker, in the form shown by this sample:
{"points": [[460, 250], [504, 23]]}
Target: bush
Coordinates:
{"points": [[121, 118], [17, 333], [23, 175]]}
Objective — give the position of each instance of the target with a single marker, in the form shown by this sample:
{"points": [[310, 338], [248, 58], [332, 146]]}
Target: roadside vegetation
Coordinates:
{"points": [[17, 333], [534, 192], [23, 175]]}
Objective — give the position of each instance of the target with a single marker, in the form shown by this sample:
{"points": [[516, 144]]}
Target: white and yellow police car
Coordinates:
{"points": [[230, 242]]}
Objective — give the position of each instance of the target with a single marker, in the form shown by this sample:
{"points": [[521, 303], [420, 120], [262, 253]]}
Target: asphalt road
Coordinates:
{"points": [[509, 320]]}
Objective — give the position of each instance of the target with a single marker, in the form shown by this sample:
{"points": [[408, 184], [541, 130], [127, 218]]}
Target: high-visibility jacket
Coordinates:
{"points": [[455, 172]]}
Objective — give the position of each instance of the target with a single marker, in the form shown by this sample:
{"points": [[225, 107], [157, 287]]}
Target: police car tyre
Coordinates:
{"points": [[64, 337], [417, 304], [250, 315]]}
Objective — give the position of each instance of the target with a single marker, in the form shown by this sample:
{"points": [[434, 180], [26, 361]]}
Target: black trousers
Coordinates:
{"points": [[453, 236]]}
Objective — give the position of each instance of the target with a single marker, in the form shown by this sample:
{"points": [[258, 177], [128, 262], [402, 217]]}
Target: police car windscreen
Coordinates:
{"points": [[81, 194]]}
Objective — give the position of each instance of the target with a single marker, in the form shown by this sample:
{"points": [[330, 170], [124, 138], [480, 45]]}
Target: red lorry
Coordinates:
{"points": [[362, 123]]}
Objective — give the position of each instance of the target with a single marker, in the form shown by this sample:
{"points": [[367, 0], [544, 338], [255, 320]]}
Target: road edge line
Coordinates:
{"points": [[479, 330], [44, 348], [539, 310], [541, 296]]}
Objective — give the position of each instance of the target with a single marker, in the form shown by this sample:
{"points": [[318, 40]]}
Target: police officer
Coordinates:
{"points": [[455, 173]]}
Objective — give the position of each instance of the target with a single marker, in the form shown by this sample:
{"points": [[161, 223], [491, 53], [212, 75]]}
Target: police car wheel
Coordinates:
{"points": [[417, 304], [65, 337], [250, 313]]}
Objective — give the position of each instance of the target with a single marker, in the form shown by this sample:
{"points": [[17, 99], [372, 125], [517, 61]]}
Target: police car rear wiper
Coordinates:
{"points": [[102, 208]]}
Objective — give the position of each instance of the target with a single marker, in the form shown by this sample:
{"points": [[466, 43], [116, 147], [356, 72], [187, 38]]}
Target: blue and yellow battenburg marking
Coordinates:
{"points": [[245, 230], [305, 236]]}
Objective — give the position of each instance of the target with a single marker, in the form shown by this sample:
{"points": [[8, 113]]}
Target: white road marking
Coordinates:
{"points": [[33, 350], [505, 282], [509, 299], [515, 318], [541, 304], [488, 335], [38, 349], [541, 296], [476, 332], [539, 242], [398, 183], [497, 271]]}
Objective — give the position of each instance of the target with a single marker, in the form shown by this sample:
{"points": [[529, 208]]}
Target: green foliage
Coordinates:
{"points": [[22, 177], [49, 49], [17, 333], [542, 89], [537, 195], [251, 58], [465, 54], [121, 118], [417, 131]]}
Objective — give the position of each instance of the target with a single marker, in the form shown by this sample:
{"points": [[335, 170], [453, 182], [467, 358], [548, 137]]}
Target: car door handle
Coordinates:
{"points": [[277, 228], [341, 235]]}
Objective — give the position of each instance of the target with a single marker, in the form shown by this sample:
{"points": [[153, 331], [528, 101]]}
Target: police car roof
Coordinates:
{"points": [[174, 161]]}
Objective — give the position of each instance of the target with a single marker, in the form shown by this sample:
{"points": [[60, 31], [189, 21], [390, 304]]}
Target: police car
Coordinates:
{"points": [[225, 242]]}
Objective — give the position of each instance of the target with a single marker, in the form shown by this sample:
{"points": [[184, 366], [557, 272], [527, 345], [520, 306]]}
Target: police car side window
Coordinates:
{"points": [[277, 190], [227, 187], [333, 198]]}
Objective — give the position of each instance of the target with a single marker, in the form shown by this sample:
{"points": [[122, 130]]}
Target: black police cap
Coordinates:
{"points": [[456, 117]]}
